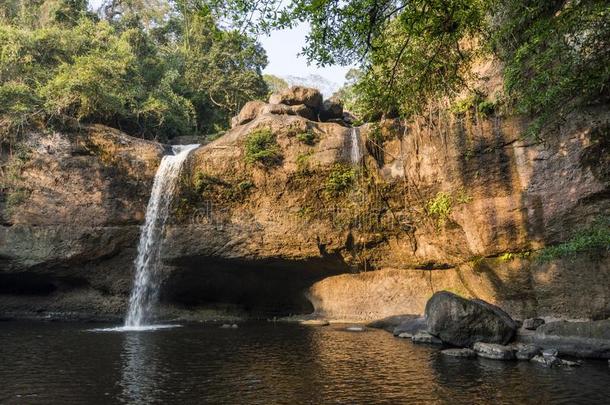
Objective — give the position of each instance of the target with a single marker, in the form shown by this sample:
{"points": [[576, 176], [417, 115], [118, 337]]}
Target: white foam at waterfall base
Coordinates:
{"points": [[145, 286], [355, 146]]}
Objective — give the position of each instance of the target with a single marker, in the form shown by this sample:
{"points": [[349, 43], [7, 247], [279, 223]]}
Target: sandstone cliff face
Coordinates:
{"points": [[68, 242], [361, 241]]}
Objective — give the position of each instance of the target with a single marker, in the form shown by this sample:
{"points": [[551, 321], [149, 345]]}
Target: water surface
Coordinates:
{"points": [[266, 363]]}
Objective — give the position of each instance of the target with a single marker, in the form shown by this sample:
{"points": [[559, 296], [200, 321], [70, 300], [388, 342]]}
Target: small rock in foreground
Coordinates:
{"points": [[425, 337], [553, 361], [466, 353], [494, 351]]}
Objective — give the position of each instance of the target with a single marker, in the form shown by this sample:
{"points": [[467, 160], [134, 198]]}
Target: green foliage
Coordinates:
{"points": [[463, 197], [261, 147], [156, 69], [593, 239], [303, 162], [274, 83], [556, 55], [440, 207], [340, 179], [509, 256], [308, 138]]}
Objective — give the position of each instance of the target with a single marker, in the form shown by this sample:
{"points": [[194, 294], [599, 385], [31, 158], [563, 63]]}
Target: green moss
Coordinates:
{"points": [[261, 147], [303, 162], [308, 138], [463, 197], [509, 256], [594, 239], [440, 207], [339, 180]]}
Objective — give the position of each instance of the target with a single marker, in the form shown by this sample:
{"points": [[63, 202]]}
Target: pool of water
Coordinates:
{"points": [[266, 363]]}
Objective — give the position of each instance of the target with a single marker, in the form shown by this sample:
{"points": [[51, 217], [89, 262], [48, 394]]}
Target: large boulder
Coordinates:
{"points": [[249, 112], [296, 95], [331, 109], [462, 322]]}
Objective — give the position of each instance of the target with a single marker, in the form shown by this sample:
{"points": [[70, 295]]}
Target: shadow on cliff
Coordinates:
{"points": [[266, 287]]}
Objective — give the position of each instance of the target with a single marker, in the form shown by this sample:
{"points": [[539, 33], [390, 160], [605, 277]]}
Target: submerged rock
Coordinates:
{"points": [[546, 361], [355, 329], [494, 351], [466, 353], [391, 322], [425, 337], [463, 322]]}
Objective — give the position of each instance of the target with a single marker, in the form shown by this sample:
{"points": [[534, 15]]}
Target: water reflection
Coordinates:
{"points": [[140, 376], [267, 364]]}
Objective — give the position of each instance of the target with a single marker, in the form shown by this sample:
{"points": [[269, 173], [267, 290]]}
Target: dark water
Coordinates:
{"points": [[54, 363]]}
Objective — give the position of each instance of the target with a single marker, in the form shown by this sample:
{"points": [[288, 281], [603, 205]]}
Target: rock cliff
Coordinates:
{"points": [[274, 218]]}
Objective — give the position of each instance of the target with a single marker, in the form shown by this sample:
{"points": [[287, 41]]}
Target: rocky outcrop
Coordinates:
{"points": [[581, 339], [462, 322], [312, 232], [296, 95]]}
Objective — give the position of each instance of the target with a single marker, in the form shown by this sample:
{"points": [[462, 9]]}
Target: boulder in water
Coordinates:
{"points": [[462, 322], [391, 322], [296, 95]]}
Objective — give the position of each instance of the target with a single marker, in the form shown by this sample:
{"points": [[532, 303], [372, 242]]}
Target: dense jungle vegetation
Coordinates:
{"points": [[165, 68]]}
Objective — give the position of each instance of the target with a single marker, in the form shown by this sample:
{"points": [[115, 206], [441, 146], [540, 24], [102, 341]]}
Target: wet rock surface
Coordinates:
{"points": [[494, 351], [465, 353]]}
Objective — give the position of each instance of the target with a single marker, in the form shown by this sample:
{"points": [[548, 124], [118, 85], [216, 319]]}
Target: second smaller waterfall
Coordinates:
{"points": [[355, 154]]}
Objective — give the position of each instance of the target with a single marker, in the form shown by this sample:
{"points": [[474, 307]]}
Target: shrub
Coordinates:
{"points": [[303, 162], [308, 138], [596, 238], [440, 207], [261, 147], [340, 179]]}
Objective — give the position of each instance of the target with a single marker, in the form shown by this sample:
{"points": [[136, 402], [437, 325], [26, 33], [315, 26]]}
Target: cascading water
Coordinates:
{"points": [[355, 155], [144, 292]]}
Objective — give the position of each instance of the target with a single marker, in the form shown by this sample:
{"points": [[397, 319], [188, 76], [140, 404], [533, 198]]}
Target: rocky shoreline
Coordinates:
{"points": [[475, 328]]}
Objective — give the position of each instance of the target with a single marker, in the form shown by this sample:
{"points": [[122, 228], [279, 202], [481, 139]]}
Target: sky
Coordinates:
{"points": [[283, 48]]}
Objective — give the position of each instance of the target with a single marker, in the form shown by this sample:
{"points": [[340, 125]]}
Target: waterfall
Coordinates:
{"points": [[355, 155], [144, 291]]}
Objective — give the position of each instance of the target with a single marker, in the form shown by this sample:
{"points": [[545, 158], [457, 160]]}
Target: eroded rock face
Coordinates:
{"points": [[463, 322], [364, 251]]}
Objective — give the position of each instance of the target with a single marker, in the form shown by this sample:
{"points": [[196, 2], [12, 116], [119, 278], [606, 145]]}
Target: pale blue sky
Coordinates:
{"points": [[283, 48]]}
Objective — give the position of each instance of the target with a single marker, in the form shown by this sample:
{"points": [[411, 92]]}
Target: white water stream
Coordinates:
{"points": [[355, 154], [144, 291]]}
